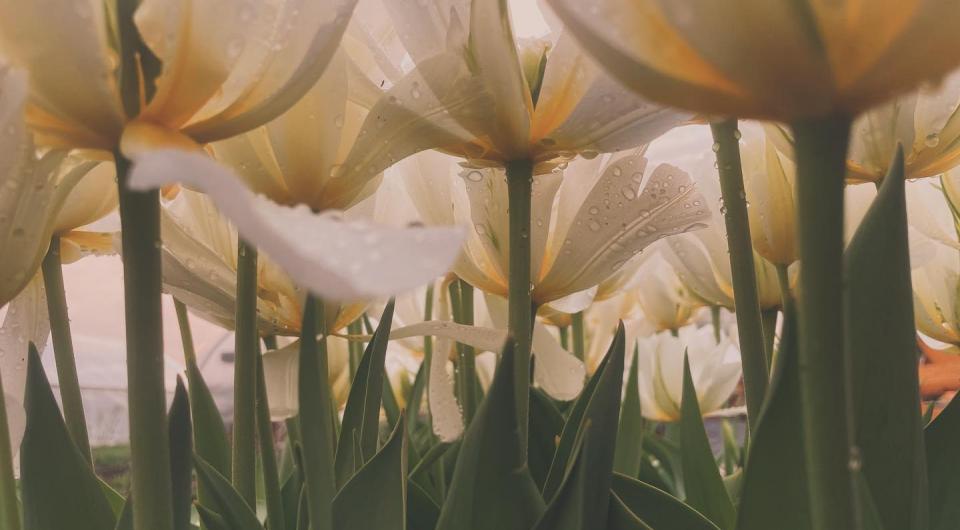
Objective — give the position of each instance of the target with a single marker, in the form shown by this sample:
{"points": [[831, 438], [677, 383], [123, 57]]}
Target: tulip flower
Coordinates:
{"points": [[715, 368], [925, 122], [662, 297], [589, 219]]}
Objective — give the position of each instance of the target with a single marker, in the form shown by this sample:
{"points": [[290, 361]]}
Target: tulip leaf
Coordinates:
{"points": [[116, 501], [58, 487], [383, 478], [568, 510], [290, 495], [212, 520], [491, 470], [546, 424], [209, 433], [361, 416], [942, 439], [777, 450], [225, 501], [884, 380], [125, 519], [621, 518], [316, 422], [422, 511], [181, 452], [595, 404], [630, 433], [701, 476], [657, 508]]}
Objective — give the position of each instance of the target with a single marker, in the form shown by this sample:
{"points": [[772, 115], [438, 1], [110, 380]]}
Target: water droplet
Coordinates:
{"points": [[594, 210], [737, 134], [616, 171], [415, 91], [590, 154], [338, 121], [480, 228], [593, 226], [234, 47], [932, 140], [474, 176], [854, 463], [715, 147], [628, 193], [548, 142]]}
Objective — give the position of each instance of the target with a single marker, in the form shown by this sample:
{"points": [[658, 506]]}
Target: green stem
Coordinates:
{"points": [[63, 349], [268, 455], [354, 348], [745, 296], [270, 342], [186, 335], [461, 297], [821, 147], [579, 340], [9, 505], [244, 455], [783, 281], [519, 194], [715, 320], [564, 332], [149, 449]]}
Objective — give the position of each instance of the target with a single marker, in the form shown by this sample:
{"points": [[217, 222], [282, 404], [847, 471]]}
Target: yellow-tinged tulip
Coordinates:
{"points": [[661, 295], [477, 93], [715, 368], [777, 60], [935, 256], [200, 269], [588, 220], [925, 122], [45, 195], [210, 69]]}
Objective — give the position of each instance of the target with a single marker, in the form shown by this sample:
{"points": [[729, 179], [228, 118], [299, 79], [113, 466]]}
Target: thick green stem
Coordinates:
{"points": [[461, 297], [821, 147], [9, 506], [63, 349], [579, 340], [354, 348], [244, 455], [749, 327], [715, 320], [519, 193], [149, 449], [783, 281], [564, 332], [268, 455], [186, 335]]}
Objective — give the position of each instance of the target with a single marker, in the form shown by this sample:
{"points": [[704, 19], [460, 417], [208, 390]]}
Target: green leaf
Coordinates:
{"points": [[490, 470], [657, 508], [630, 433], [209, 433], [942, 438], [58, 487], [212, 520], [568, 509], [316, 421], [383, 478], [701, 476], [593, 405], [414, 422], [116, 501], [546, 424], [361, 416], [125, 519], [225, 500], [621, 518], [667, 474], [868, 508], [290, 495], [181, 452], [884, 380], [422, 511], [777, 450]]}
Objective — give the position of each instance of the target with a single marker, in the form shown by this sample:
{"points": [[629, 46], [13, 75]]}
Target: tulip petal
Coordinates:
{"points": [[694, 267], [619, 218], [493, 48], [276, 71], [26, 320], [581, 108], [301, 242], [63, 46]]}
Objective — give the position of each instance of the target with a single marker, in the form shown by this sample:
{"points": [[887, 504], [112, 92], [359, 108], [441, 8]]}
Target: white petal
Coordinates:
{"points": [[576, 302], [483, 339], [444, 409], [26, 321], [366, 261], [281, 374]]}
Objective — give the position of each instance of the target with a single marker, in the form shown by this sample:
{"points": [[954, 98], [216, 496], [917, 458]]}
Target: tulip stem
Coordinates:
{"points": [[519, 195], [564, 332], [244, 455], [768, 317], [268, 455], [579, 341], [149, 449], [821, 147], [9, 505], [715, 320], [783, 281], [354, 348], [746, 299], [461, 298], [63, 349]]}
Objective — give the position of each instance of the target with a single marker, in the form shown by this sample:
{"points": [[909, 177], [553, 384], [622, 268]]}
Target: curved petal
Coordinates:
{"points": [[71, 67], [92, 198], [301, 242], [26, 320], [273, 77], [280, 372], [444, 409], [618, 219]]}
